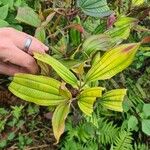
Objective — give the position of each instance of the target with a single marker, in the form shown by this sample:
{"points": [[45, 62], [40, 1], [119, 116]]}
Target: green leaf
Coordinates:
{"points": [[132, 123], [11, 136], [113, 99], [113, 62], [32, 109], [147, 54], [137, 2], [62, 71], [61, 46], [17, 111], [122, 29], [3, 111], [118, 34], [87, 98], [75, 31], [96, 58], [44, 68], [40, 34], [40, 90], [28, 16], [3, 12], [123, 20], [3, 143], [94, 8], [146, 126], [10, 3], [95, 43], [146, 110], [58, 120], [79, 69], [64, 91], [86, 105], [3, 23], [123, 141], [92, 92]]}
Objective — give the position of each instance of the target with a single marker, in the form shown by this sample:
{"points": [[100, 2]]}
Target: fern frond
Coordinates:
{"points": [[123, 141], [141, 146], [82, 132], [107, 132], [68, 145]]}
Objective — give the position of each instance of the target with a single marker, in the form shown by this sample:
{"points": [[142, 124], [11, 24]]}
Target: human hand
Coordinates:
{"points": [[13, 58]]}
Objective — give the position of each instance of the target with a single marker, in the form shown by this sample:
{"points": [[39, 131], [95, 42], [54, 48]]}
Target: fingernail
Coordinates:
{"points": [[46, 48]]}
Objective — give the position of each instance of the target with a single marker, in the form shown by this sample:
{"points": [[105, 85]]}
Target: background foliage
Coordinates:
{"points": [[64, 26]]}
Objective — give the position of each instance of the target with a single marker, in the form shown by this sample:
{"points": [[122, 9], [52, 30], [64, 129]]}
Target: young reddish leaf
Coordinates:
{"points": [[111, 20], [146, 40], [58, 120], [78, 27]]}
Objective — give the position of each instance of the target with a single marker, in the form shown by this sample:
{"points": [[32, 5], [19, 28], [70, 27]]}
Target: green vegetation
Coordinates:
{"points": [[94, 81]]}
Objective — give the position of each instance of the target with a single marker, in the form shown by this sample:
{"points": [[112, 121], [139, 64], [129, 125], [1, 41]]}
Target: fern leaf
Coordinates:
{"points": [[123, 141], [141, 146], [107, 132]]}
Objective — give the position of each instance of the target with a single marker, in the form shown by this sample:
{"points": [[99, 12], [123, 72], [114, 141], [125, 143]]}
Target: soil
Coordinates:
{"points": [[7, 99]]}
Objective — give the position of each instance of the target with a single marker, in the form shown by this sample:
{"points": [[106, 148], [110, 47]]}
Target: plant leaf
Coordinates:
{"points": [[40, 34], [48, 19], [132, 123], [96, 58], [40, 90], [146, 110], [45, 68], [10, 3], [27, 15], [58, 120], [87, 98], [92, 92], [94, 8], [64, 91], [113, 62], [95, 43], [113, 99], [3, 23], [146, 126], [123, 20], [122, 28], [61, 46], [86, 105], [62, 71], [3, 12], [118, 34], [137, 2]]}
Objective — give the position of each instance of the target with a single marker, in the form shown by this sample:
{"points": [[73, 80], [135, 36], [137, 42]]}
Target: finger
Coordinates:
{"points": [[36, 46], [10, 70], [20, 58]]}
